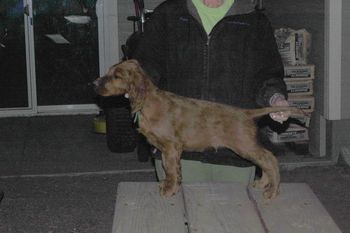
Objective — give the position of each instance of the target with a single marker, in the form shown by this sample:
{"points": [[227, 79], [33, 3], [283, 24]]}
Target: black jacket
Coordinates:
{"points": [[237, 63]]}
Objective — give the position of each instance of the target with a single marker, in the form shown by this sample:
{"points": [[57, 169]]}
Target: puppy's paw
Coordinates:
{"points": [[261, 183], [167, 188], [271, 193]]}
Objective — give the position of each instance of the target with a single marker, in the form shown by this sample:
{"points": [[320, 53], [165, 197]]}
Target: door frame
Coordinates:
{"points": [[33, 109]]}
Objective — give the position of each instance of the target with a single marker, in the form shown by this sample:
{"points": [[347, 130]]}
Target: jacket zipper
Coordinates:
{"points": [[206, 93], [207, 71], [206, 59]]}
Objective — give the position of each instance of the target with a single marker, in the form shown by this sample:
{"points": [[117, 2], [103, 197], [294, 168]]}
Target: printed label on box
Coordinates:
{"points": [[299, 72], [299, 87], [306, 103], [293, 134]]}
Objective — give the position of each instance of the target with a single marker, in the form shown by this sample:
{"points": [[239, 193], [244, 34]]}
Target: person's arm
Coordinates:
{"points": [[151, 49], [270, 77], [272, 88]]}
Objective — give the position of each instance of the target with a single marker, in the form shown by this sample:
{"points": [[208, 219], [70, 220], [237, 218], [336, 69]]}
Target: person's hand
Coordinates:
{"points": [[279, 116]]}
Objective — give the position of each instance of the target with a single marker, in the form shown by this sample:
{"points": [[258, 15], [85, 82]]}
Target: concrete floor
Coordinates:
{"points": [[58, 176]]}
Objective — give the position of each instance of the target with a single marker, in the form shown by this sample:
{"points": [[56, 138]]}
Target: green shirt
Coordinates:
{"points": [[210, 16]]}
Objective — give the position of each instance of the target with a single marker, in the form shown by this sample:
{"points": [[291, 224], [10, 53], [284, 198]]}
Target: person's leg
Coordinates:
{"points": [[159, 169], [195, 171], [192, 171], [222, 173]]}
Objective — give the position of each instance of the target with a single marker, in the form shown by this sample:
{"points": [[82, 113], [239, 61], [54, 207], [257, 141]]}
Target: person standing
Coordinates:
{"points": [[217, 50]]}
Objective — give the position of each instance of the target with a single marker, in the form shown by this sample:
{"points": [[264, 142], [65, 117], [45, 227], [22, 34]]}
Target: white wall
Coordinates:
{"points": [[345, 82]]}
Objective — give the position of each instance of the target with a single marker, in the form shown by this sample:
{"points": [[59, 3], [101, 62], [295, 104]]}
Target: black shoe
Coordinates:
{"points": [[1, 195]]}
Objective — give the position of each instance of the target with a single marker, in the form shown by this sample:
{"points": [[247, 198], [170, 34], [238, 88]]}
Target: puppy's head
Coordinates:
{"points": [[120, 79]]}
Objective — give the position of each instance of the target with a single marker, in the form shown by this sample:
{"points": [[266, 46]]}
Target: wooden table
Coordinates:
{"points": [[219, 208]]}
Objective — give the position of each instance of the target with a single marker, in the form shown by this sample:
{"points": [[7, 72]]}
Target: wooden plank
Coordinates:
{"points": [[140, 209], [220, 207], [295, 210]]}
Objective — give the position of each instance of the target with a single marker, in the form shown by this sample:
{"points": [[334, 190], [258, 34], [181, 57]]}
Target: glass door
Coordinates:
{"points": [[14, 82], [66, 51], [48, 56]]}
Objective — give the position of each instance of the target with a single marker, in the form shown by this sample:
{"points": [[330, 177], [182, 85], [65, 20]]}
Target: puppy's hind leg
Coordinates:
{"points": [[172, 168], [268, 163], [263, 182], [270, 179]]}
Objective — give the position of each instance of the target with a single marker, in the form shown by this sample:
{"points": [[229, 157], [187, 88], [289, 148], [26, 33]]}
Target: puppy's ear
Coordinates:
{"points": [[134, 62], [133, 65], [137, 79], [119, 72]]}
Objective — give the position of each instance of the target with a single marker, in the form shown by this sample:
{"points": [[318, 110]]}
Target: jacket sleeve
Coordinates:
{"points": [[151, 49], [270, 76]]}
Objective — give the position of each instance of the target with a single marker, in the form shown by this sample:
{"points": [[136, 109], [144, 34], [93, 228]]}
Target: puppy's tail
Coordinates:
{"points": [[259, 112]]}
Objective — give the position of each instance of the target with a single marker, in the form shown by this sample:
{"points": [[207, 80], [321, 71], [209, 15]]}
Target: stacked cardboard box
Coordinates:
{"points": [[300, 81], [299, 77]]}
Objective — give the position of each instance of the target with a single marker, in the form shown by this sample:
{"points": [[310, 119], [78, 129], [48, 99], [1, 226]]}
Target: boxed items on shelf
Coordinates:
{"points": [[296, 88], [300, 87], [302, 120], [293, 45], [292, 134], [299, 72], [306, 103]]}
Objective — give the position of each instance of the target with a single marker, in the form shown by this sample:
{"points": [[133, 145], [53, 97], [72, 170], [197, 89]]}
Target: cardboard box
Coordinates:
{"points": [[293, 45], [306, 103], [302, 72], [301, 120], [297, 88], [292, 134]]}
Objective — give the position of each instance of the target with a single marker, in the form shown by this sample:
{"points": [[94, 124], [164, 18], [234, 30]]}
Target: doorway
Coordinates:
{"points": [[14, 85], [49, 52]]}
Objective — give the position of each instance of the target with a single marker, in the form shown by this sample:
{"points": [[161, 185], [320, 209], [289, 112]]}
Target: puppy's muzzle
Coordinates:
{"points": [[98, 85]]}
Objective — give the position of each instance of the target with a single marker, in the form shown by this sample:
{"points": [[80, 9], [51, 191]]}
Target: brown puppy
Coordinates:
{"points": [[174, 124]]}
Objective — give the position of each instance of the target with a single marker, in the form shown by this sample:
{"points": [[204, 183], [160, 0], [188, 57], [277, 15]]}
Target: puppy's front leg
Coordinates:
{"points": [[172, 167]]}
